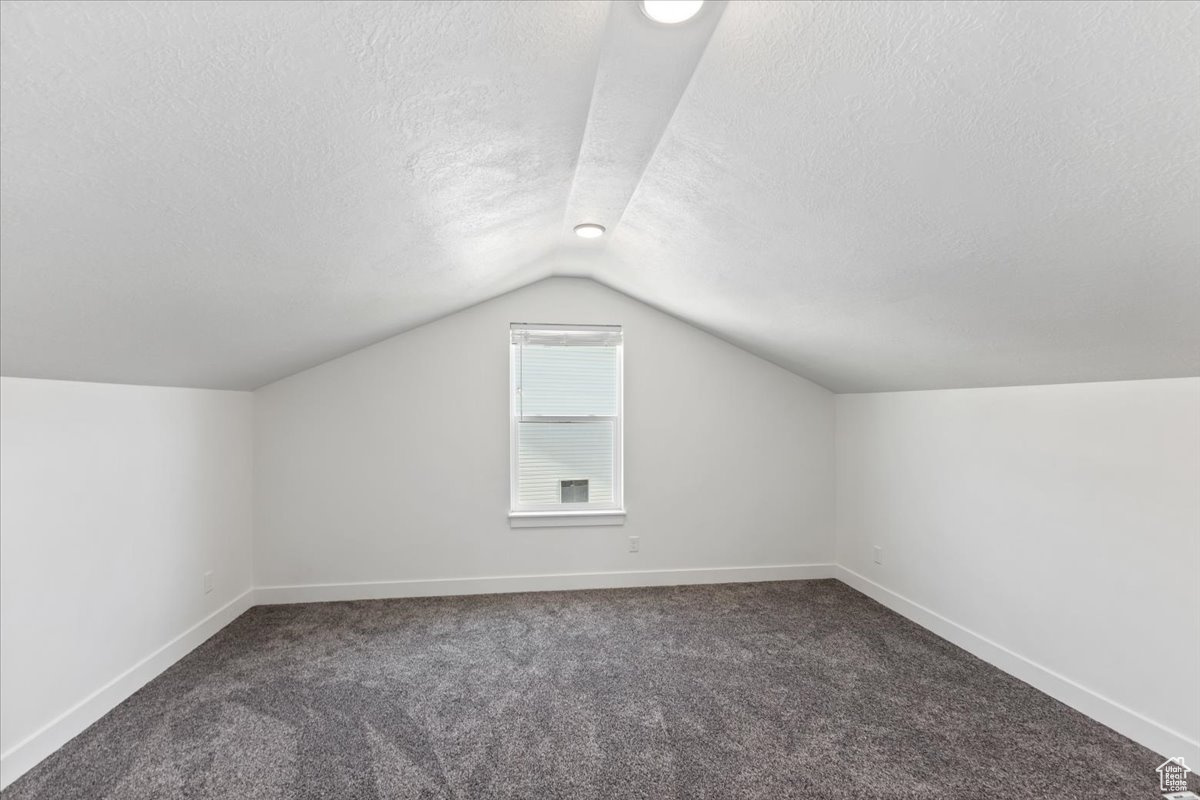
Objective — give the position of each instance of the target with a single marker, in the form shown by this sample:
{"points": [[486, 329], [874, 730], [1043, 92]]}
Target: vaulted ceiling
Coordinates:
{"points": [[879, 195]]}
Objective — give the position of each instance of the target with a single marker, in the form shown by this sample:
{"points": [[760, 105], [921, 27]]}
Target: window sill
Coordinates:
{"points": [[565, 519]]}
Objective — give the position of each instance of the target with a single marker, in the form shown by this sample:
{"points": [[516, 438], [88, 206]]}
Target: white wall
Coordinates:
{"points": [[116, 500], [1054, 530], [391, 463], [1060, 522]]}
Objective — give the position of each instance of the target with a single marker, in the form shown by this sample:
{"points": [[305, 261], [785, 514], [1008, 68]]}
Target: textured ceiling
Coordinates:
{"points": [[874, 195]]}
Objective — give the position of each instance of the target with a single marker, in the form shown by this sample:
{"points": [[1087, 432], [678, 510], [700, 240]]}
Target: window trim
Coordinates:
{"points": [[566, 519], [566, 514]]}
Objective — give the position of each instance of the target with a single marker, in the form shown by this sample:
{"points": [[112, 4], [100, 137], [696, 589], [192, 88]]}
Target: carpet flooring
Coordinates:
{"points": [[769, 690]]}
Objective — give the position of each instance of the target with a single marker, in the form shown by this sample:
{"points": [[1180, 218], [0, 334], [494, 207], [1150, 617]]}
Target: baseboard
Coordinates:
{"points": [[25, 755], [503, 584], [1125, 721]]}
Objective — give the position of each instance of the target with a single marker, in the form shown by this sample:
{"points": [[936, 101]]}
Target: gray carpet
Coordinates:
{"points": [[770, 690]]}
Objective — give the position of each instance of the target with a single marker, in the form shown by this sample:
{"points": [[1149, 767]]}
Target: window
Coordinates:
{"points": [[566, 424]]}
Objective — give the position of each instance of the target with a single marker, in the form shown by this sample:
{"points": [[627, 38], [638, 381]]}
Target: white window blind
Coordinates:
{"points": [[566, 417]]}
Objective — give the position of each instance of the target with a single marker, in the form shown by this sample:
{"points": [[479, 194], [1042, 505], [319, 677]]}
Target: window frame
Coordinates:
{"points": [[565, 514]]}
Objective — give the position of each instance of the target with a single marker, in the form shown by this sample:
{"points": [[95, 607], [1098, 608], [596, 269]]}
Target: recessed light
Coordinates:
{"points": [[671, 12], [589, 230]]}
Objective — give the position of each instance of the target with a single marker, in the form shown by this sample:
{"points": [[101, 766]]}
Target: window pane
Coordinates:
{"points": [[566, 381], [554, 452]]}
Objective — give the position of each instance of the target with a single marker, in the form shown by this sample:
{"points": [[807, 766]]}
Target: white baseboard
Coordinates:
{"points": [[26, 754], [1125, 721], [503, 584]]}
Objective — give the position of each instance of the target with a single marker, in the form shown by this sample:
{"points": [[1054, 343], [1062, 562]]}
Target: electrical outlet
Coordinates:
{"points": [[208, 582], [878, 555], [635, 544]]}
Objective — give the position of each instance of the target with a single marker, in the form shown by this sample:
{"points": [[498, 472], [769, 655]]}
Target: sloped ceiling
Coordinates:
{"points": [[874, 195]]}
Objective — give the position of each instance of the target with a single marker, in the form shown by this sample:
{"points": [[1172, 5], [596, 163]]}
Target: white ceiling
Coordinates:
{"points": [[874, 195]]}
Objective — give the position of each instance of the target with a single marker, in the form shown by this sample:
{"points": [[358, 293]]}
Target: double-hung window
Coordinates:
{"points": [[566, 424]]}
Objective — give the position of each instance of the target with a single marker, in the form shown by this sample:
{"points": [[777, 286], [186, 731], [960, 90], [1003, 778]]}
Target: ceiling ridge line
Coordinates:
{"points": [[721, 5], [583, 137]]}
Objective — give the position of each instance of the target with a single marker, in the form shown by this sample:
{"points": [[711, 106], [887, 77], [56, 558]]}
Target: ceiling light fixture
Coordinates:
{"points": [[671, 12], [589, 230]]}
